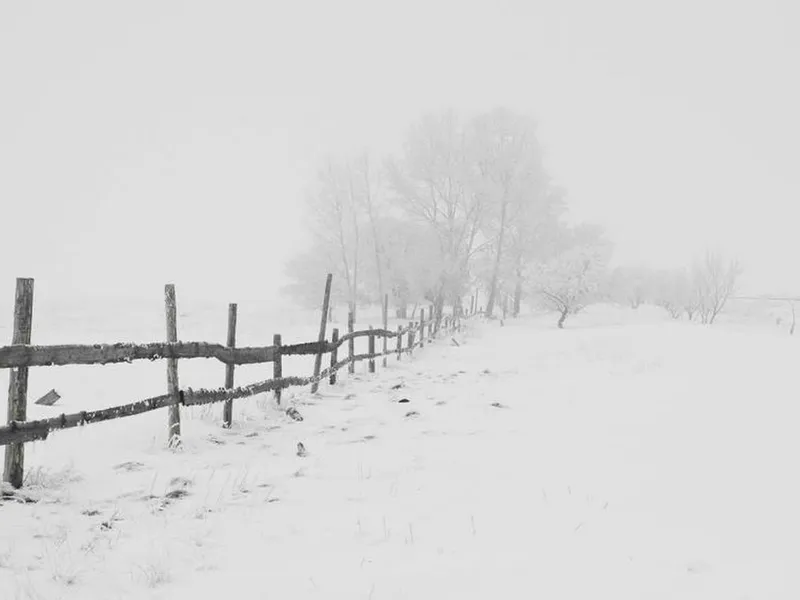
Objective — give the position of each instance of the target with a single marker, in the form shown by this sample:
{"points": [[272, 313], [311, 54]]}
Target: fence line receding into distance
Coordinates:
{"points": [[21, 355]]}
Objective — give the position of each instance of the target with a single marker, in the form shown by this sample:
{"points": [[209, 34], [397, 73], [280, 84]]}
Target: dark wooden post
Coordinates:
{"points": [[351, 344], [334, 355], [14, 469], [421, 327], [227, 411], [173, 387], [385, 328], [411, 327], [431, 321], [371, 350], [277, 366], [399, 341], [326, 302]]}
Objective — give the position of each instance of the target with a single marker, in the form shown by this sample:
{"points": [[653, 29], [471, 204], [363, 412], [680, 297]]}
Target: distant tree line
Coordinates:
{"points": [[699, 292], [466, 207]]}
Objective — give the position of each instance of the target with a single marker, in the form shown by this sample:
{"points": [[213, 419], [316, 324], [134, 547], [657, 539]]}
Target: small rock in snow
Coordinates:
{"points": [[294, 413]]}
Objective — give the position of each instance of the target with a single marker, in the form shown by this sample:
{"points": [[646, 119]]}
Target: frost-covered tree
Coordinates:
{"points": [[509, 177], [410, 272], [571, 278], [714, 281], [433, 183], [335, 221], [534, 232]]}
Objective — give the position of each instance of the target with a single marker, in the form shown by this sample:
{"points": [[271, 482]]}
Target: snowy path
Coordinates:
{"points": [[641, 461]]}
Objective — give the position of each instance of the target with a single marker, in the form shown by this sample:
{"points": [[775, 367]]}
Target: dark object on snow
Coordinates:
{"points": [[301, 449], [294, 413], [176, 494], [452, 339], [397, 386], [403, 401], [498, 405], [130, 466], [412, 413], [49, 398]]}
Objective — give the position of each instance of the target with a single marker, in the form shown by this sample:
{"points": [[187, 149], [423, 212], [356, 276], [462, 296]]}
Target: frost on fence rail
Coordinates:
{"points": [[20, 355]]}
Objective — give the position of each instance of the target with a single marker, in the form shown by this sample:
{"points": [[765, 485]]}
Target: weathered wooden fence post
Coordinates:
{"points": [[173, 386], [334, 355], [371, 350], [14, 469], [277, 366], [399, 341], [351, 343], [421, 327], [385, 328], [326, 302], [227, 411], [411, 329]]}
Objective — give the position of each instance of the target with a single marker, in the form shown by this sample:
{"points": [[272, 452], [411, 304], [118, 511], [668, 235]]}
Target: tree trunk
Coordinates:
{"points": [[351, 307], [438, 310], [517, 298], [375, 239], [562, 318], [498, 255]]}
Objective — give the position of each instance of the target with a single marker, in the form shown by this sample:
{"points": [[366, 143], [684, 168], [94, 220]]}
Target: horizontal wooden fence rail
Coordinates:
{"points": [[21, 355]]}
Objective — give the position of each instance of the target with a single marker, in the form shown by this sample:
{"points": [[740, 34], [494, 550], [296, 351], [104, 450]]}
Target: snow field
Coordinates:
{"points": [[629, 457]]}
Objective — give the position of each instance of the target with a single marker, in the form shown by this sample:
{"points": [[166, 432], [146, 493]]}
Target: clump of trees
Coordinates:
{"points": [[698, 292], [573, 276], [467, 205]]}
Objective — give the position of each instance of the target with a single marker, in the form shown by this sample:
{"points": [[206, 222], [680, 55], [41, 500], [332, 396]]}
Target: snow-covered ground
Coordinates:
{"points": [[627, 456]]}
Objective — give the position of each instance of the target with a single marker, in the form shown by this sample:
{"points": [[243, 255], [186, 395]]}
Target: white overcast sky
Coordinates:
{"points": [[143, 142]]}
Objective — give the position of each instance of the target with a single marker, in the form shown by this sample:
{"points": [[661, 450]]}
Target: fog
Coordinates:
{"points": [[152, 142]]}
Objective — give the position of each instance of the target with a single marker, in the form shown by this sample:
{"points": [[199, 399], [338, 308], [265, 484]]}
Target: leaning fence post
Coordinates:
{"points": [[334, 355], [371, 350], [14, 469], [173, 387], [277, 366], [326, 302], [399, 341], [421, 327], [411, 328], [351, 344], [385, 327], [227, 411]]}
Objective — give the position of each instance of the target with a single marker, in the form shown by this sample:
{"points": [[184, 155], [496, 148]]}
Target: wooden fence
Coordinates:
{"points": [[21, 355]]}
